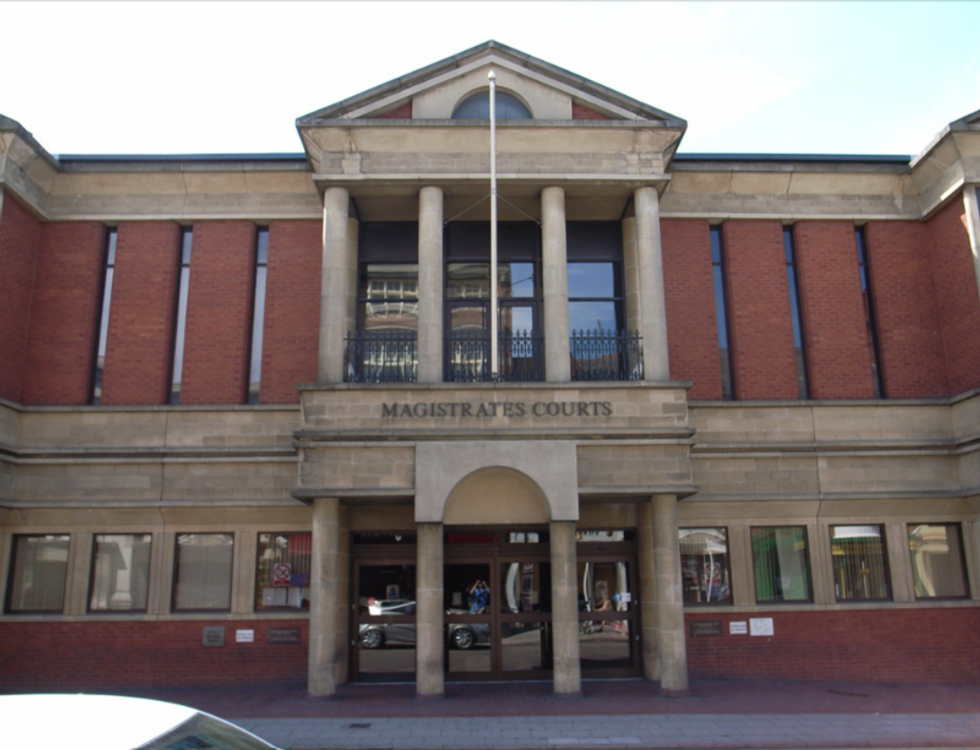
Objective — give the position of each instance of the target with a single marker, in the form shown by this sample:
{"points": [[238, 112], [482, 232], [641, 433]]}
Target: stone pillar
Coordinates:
{"points": [[429, 628], [648, 587], [334, 283], [971, 202], [669, 605], [653, 305], [325, 576], [631, 275], [557, 365], [430, 285], [564, 610]]}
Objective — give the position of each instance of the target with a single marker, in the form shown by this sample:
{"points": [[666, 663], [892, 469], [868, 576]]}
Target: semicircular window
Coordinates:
{"points": [[477, 107]]}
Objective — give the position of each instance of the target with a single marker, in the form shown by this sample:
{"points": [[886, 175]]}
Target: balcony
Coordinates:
{"points": [[601, 355]]}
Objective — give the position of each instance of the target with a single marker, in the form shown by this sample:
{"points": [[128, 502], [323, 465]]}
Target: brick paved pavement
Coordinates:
{"points": [[614, 714]]}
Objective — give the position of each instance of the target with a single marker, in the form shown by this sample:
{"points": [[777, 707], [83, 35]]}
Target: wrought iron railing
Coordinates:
{"points": [[468, 357], [606, 355], [380, 356]]}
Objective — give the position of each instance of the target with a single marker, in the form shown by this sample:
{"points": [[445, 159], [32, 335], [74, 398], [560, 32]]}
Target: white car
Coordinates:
{"points": [[112, 722]]}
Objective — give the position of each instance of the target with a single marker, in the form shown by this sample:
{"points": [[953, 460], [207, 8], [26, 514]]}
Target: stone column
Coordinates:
{"points": [[430, 285], [653, 306], [325, 615], [557, 365], [429, 638], [648, 587], [971, 202], [669, 598], [334, 282], [564, 610], [631, 274]]}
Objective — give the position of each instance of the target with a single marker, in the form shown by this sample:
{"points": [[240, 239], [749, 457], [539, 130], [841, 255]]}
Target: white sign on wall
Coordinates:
{"points": [[244, 636], [762, 626], [738, 628]]}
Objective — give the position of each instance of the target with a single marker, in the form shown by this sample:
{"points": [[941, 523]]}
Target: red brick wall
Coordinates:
{"points": [[761, 326], [689, 286], [910, 332], [901, 645], [64, 322], [832, 308], [141, 319], [20, 236], [584, 113], [956, 287], [292, 310], [88, 656], [219, 313]]}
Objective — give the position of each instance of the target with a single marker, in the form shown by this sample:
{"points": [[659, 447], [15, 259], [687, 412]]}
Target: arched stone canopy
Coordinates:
{"points": [[539, 476]]}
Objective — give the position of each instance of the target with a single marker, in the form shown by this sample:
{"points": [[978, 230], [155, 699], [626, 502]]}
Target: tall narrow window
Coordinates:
{"points": [[780, 564], [860, 563], [938, 568], [202, 572], [258, 313], [120, 573], [721, 315], [186, 240], [870, 324], [107, 274], [38, 571], [794, 306]]}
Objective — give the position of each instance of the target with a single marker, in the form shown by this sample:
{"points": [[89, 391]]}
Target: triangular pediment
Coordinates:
{"points": [[433, 92]]}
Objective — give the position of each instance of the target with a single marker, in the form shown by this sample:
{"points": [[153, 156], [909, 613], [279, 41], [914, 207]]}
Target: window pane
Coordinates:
{"points": [[937, 560], [120, 572], [591, 280], [390, 296], [282, 579], [37, 575], [386, 621], [515, 279], [780, 564], [203, 571], [468, 280], [597, 315], [860, 563], [704, 566]]}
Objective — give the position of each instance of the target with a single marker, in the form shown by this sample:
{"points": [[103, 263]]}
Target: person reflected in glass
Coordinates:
{"points": [[479, 597]]}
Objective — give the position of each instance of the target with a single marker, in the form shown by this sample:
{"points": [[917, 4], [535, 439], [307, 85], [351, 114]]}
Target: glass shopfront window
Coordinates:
{"points": [[780, 564], [938, 568], [385, 621], [202, 572], [120, 573], [705, 566], [606, 615], [282, 576], [860, 563], [37, 573]]}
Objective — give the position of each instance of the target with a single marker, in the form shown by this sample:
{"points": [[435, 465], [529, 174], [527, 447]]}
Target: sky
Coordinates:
{"points": [[766, 77]]}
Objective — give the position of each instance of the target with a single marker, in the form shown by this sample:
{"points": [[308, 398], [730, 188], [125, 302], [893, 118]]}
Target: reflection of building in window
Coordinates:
{"points": [[704, 566], [938, 565], [860, 562], [120, 572]]}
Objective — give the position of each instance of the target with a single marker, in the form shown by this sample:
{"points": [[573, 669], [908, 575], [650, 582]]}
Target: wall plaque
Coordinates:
{"points": [[282, 635], [705, 628], [214, 635]]}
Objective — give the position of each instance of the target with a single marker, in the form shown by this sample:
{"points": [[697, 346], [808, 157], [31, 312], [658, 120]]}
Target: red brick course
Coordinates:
{"points": [[292, 310], [690, 295], [761, 325], [88, 656], [902, 645], [65, 317], [956, 294], [910, 331], [141, 320], [20, 238], [218, 337], [832, 308]]}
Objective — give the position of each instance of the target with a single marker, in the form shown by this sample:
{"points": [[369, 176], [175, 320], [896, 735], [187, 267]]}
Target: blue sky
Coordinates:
{"points": [[795, 77]]}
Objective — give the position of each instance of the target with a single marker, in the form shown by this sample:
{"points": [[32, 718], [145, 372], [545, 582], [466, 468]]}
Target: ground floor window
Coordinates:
{"points": [[38, 573], [282, 576], [120, 572], [938, 565], [780, 564], [202, 572], [860, 563], [704, 566]]}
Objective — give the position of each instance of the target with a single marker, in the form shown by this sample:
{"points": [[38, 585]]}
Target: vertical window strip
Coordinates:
{"points": [[794, 306], [100, 351], [721, 314], [186, 240], [870, 323], [781, 565], [938, 564], [258, 314], [860, 563]]}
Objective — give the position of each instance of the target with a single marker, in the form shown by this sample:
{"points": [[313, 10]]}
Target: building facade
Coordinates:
{"points": [[263, 420]]}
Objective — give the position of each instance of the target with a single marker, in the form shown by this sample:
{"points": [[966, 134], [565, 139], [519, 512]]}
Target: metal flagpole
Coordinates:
{"points": [[494, 355]]}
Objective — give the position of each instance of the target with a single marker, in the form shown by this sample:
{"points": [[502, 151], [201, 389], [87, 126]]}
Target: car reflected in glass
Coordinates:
{"points": [[373, 635]]}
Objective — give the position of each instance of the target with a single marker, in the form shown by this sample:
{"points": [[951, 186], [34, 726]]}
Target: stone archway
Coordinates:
{"points": [[495, 496]]}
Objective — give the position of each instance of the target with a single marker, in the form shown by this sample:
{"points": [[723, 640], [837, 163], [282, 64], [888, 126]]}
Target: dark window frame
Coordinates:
{"points": [[722, 317], [796, 314]]}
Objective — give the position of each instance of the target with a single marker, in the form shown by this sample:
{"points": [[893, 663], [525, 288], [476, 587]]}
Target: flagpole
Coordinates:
{"points": [[494, 354]]}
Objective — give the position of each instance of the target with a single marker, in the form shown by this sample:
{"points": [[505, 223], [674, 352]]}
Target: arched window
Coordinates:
{"points": [[477, 107]]}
